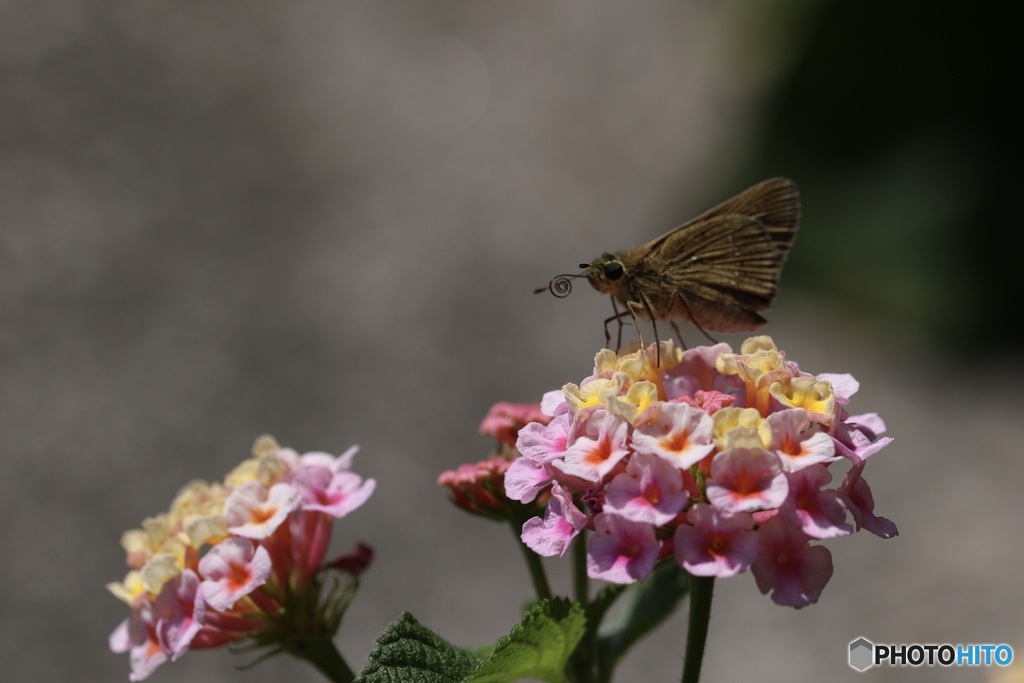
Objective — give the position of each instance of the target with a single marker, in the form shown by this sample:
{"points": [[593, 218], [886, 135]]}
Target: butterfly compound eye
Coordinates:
{"points": [[613, 270]]}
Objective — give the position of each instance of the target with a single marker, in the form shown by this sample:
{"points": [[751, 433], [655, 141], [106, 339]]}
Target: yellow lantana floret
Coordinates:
{"points": [[740, 428], [636, 400], [130, 588], [590, 394], [816, 396]]}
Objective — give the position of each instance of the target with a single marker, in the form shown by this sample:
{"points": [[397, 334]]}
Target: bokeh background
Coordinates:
{"points": [[323, 220]]}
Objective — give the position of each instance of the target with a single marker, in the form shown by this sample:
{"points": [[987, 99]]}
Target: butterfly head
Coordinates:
{"points": [[606, 273]]}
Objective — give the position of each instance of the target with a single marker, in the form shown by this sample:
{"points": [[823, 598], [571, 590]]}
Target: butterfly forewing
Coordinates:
{"points": [[727, 252], [774, 202]]}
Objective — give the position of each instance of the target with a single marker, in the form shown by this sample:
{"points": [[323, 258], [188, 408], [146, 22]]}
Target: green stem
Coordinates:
{"points": [[321, 653], [533, 563], [702, 589], [581, 582], [583, 659]]}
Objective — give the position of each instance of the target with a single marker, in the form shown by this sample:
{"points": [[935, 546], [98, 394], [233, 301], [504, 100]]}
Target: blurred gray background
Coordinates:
{"points": [[323, 221]]}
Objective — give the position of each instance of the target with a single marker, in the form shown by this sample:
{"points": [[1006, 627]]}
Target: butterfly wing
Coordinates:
{"points": [[719, 269], [774, 202], [718, 273]]}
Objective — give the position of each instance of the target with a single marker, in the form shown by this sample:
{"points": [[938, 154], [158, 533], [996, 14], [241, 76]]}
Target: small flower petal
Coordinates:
{"points": [[543, 443], [844, 385], [232, 569], [334, 493], [678, 433], [794, 572], [621, 551], [796, 444], [745, 480], [524, 479], [561, 524], [697, 371], [715, 544], [857, 494], [649, 491], [856, 443], [180, 612], [592, 456], [821, 511], [254, 512]]}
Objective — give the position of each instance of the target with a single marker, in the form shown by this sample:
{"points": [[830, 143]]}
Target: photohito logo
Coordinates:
{"points": [[864, 654]]}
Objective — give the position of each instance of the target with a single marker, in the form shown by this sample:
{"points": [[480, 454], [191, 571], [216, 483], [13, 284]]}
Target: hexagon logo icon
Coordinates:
{"points": [[862, 654]]}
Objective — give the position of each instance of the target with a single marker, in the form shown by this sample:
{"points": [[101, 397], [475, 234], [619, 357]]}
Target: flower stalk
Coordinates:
{"points": [[701, 591], [318, 649]]}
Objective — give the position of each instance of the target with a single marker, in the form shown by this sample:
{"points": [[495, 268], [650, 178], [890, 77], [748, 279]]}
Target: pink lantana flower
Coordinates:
{"points": [[545, 441], [137, 636], [242, 559], [857, 437], [745, 480], [676, 432], [649, 491], [844, 385], [621, 551], [715, 544], [787, 566], [335, 463], [697, 371], [525, 479], [821, 511], [232, 569], [562, 522], [796, 444], [331, 490], [253, 511], [180, 612], [595, 454], [857, 494]]}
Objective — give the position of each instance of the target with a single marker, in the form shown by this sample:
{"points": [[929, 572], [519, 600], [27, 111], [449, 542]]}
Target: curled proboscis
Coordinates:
{"points": [[561, 285]]}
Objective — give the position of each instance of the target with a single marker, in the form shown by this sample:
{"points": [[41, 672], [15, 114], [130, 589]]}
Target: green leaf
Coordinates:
{"points": [[538, 647], [407, 652], [642, 607]]}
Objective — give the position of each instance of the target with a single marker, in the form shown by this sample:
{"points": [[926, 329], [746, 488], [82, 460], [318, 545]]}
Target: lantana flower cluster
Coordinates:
{"points": [[720, 459], [479, 487], [242, 558]]}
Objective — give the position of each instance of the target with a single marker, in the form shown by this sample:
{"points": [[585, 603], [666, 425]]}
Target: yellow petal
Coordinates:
{"points": [[813, 395]]}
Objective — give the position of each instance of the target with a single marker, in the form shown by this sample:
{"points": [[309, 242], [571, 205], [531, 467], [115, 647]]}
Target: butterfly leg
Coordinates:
{"points": [[705, 333], [617, 318], [689, 314], [679, 335], [654, 325], [633, 306]]}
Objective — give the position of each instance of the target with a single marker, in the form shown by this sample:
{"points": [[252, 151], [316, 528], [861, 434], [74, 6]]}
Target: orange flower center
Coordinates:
{"points": [[601, 452], [676, 441]]}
